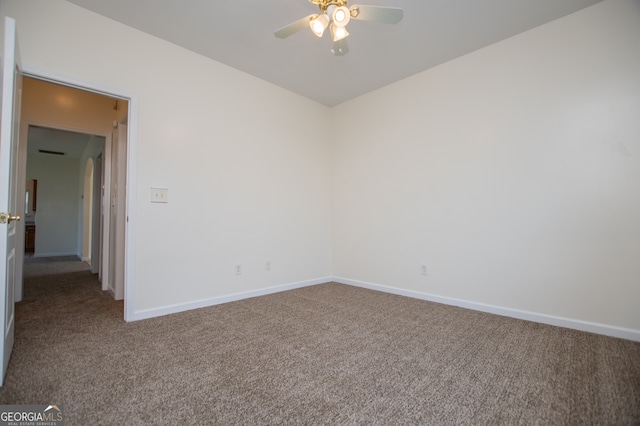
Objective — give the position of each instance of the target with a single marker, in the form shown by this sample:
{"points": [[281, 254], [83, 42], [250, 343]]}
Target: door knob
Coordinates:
{"points": [[8, 217]]}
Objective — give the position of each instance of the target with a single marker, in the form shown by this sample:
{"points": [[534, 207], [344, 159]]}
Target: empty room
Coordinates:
{"points": [[430, 218]]}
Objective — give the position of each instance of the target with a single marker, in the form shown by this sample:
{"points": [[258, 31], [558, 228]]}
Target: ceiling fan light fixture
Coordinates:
{"points": [[335, 15], [340, 16], [338, 33], [319, 24]]}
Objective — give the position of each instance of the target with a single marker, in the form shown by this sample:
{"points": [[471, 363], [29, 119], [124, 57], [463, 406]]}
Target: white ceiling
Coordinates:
{"points": [[71, 144], [240, 34]]}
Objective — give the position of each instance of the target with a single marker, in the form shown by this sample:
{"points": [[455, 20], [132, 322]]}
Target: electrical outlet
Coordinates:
{"points": [[267, 266], [239, 269], [423, 269]]}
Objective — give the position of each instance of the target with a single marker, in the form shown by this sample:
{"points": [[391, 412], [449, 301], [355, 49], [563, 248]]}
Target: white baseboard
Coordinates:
{"points": [[55, 254], [181, 307], [592, 327]]}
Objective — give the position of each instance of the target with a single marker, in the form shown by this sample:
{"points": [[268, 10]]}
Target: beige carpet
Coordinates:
{"points": [[327, 354]]}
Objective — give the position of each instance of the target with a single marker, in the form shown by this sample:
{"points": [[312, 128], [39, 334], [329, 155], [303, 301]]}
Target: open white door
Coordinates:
{"points": [[10, 205]]}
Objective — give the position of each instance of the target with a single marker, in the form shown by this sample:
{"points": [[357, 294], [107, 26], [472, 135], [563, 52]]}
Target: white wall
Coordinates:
{"points": [[58, 194], [512, 172], [248, 182]]}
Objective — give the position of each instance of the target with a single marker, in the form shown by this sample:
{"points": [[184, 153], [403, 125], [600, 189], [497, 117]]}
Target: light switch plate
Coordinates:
{"points": [[159, 195]]}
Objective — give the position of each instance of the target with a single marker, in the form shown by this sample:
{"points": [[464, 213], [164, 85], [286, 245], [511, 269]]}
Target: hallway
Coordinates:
{"points": [[59, 283]]}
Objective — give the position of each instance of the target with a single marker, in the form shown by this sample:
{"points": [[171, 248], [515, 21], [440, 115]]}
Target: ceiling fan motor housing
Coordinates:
{"points": [[324, 4]]}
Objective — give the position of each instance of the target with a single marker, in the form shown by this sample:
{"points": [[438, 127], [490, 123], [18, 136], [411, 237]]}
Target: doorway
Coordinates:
{"points": [[62, 223], [96, 237]]}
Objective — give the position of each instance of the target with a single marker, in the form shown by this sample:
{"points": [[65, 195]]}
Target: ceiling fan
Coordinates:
{"points": [[335, 16]]}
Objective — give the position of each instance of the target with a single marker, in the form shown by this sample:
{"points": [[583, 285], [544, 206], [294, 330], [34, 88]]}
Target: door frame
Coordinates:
{"points": [[86, 235], [131, 177], [96, 219], [23, 148]]}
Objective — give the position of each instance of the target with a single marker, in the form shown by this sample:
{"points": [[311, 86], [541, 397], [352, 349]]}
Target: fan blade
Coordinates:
{"points": [[387, 15], [340, 47], [294, 27]]}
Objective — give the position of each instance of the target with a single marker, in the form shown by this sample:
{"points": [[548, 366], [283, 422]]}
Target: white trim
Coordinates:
{"points": [[591, 327], [181, 307], [106, 205], [131, 221], [87, 86], [74, 254], [54, 126]]}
